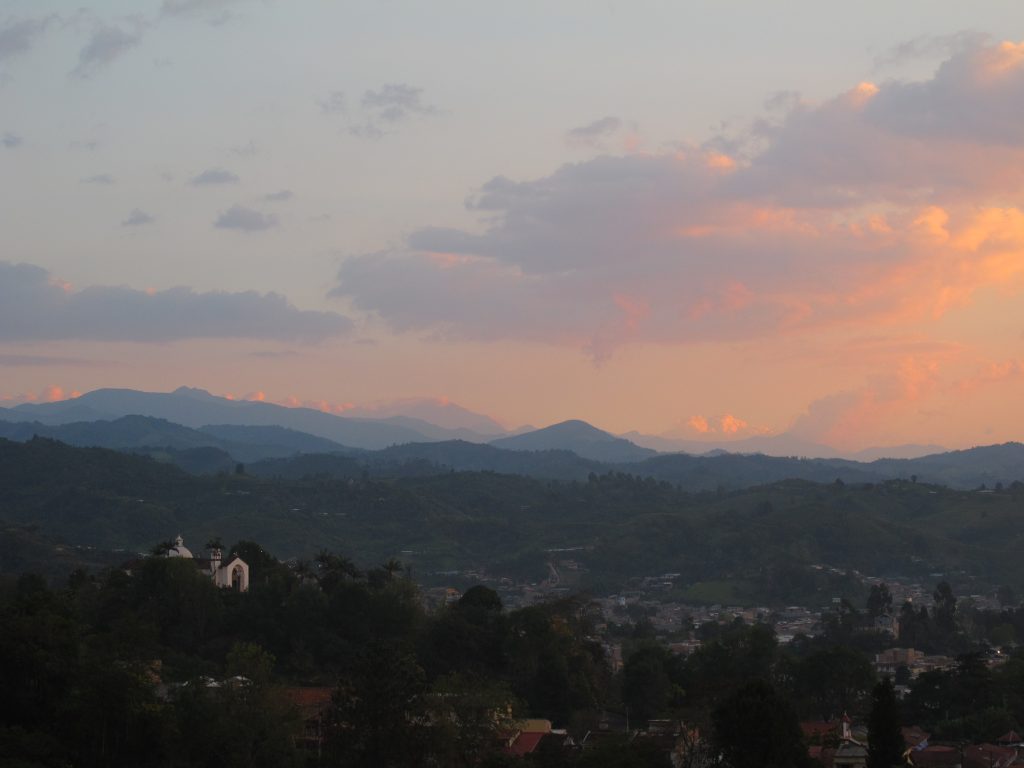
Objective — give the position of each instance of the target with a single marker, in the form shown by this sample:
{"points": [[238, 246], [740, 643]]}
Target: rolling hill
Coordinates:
{"points": [[768, 538]]}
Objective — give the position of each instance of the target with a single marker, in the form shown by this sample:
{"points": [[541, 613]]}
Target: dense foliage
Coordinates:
{"points": [[750, 546], [157, 667]]}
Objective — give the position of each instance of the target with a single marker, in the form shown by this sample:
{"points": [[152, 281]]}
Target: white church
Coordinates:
{"points": [[234, 574]]}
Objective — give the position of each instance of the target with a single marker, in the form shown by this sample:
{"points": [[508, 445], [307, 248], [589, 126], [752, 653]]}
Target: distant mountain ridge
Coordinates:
{"points": [[274, 450], [777, 445], [134, 433], [195, 421], [437, 412], [581, 438], [197, 408]]}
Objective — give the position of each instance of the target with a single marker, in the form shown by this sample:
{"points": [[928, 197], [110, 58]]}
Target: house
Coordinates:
{"points": [[313, 705], [526, 735], [233, 574], [850, 754]]}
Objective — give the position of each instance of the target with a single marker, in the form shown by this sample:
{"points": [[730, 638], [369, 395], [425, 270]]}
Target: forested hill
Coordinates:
{"points": [[762, 540], [569, 451], [989, 466]]}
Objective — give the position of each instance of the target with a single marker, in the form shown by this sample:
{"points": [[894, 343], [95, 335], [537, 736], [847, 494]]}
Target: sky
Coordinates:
{"points": [[711, 220]]}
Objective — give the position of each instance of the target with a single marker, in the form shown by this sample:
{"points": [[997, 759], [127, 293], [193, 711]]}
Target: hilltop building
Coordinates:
{"points": [[234, 574]]}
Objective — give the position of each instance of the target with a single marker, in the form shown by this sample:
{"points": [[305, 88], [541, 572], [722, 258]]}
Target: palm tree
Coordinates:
{"points": [[391, 567], [334, 569], [162, 548]]}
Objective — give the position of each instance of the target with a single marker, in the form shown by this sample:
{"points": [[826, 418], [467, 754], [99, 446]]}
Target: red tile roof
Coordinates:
{"points": [[936, 757], [309, 701], [525, 743]]}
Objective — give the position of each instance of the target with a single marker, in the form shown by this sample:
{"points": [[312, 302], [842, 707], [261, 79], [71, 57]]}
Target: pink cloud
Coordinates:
{"points": [[853, 213]]}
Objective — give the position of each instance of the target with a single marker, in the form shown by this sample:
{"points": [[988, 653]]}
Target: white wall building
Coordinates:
{"points": [[234, 574]]}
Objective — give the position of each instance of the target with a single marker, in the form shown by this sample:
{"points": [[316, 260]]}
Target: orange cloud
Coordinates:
{"points": [[699, 424], [726, 424], [849, 419], [991, 373], [730, 424], [1004, 59], [49, 394], [720, 162]]}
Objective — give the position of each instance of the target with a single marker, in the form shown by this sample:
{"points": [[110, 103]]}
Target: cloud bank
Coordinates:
{"points": [[36, 307], [885, 204]]}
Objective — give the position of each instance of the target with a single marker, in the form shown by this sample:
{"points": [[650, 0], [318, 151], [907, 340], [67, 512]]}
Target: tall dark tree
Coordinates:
{"points": [[879, 600], [757, 728], [945, 608], [646, 688], [885, 741]]}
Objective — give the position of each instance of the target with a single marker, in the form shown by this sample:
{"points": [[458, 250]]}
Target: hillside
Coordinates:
{"points": [[620, 526]]}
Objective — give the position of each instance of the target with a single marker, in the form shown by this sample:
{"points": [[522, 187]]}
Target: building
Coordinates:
{"points": [[234, 574]]}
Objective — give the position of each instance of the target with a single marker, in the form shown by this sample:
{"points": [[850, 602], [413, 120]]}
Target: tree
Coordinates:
{"points": [[832, 680], [757, 728], [334, 570], [944, 613], [250, 661], [1007, 597], [879, 600], [646, 688], [885, 740], [381, 711]]}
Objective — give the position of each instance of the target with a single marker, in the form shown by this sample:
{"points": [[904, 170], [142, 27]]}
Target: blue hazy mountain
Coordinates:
{"points": [[579, 437], [197, 408]]}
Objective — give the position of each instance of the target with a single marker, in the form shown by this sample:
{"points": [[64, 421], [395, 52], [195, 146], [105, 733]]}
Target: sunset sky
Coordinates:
{"points": [[709, 219]]}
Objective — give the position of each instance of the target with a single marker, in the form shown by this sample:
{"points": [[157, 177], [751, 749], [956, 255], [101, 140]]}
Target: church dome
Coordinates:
{"points": [[179, 549]]}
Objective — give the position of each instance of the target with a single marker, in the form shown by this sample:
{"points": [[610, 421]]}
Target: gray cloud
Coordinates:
{"points": [[395, 101], [249, 149], [595, 130], [137, 218], [214, 176], [11, 140], [35, 307], [951, 105], [99, 178], [280, 196], [106, 44], [930, 47], [389, 105], [245, 219], [334, 104], [18, 37], [367, 130]]}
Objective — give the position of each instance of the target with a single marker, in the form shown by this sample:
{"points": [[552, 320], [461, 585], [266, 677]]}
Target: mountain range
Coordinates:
{"points": [[419, 420], [206, 434]]}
